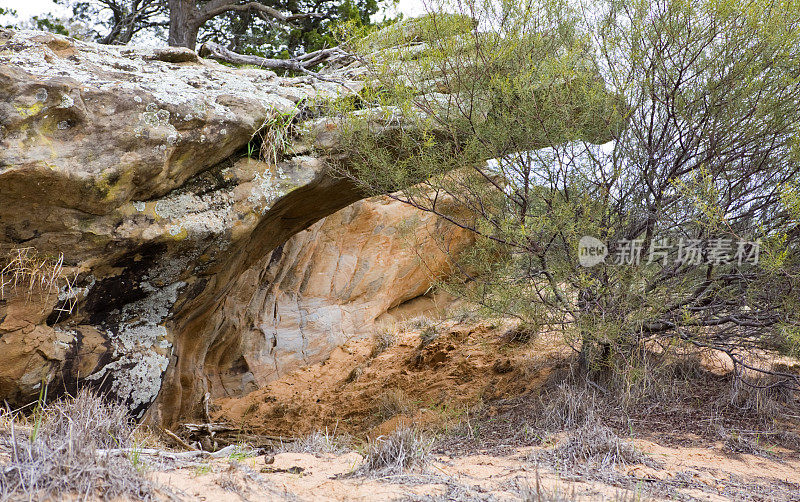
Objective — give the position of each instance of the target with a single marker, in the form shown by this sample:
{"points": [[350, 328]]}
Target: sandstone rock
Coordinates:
{"points": [[177, 269], [323, 287]]}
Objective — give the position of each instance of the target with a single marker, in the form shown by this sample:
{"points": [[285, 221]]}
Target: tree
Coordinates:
{"points": [[118, 21], [270, 27], [186, 17], [665, 130], [245, 32]]}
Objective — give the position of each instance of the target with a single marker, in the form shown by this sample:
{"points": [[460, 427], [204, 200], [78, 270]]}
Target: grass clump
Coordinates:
{"points": [[539, 493], [319, 443], [428, 335], [393, 402], [27, 270], [596, 444], [273, 138], [384, 338], [66, 452], [404, 449]]}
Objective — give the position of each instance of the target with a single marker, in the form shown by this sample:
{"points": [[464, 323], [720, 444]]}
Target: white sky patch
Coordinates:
{"points": [[28, 8], [410, 8]]}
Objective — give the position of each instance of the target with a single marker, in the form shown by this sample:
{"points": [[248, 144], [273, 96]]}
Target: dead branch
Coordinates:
{"points": [[301, 64], [218, 7], [207, 428], [153, 452], [178, 440]]}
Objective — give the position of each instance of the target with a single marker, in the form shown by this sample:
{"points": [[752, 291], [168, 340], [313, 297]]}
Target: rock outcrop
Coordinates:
{"points": [[323, 287], [148, 256]]}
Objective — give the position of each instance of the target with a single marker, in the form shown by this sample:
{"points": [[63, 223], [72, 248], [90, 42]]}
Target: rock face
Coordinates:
{"points": [[323, 287], [148, 256]]}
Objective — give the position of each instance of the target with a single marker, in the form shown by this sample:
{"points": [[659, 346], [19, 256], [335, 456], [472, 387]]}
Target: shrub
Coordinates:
{"points": [[65, 452], [319, 442], [596, 444], [406, 448]]}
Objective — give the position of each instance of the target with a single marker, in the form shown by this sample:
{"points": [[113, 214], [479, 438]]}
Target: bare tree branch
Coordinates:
{"points": [[217, 7], [302, 64]]}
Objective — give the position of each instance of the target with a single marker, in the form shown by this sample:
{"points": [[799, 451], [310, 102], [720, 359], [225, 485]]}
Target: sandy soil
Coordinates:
{"points": [[687, 474], [464, 366], [363, 393]]}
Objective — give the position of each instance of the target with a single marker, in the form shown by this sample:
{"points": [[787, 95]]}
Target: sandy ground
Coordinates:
{"points": [[363, 393], [462, 367], [686, 474]]}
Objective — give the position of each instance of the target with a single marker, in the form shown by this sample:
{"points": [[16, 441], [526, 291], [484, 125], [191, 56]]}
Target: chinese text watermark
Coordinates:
{"points": [[683, 251]]}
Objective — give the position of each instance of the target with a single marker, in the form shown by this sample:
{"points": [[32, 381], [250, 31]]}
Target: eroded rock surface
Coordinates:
{"points": [[177, 273], [324, 287]]}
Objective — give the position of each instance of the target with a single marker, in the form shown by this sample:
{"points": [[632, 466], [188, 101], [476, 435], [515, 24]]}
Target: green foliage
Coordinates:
{"points": [[44, 22], [121, 21], [247, 33], [38, 413], [7, 12], [696, 103], [789, 341], [273, 137], [47, 23], [241, 452], [424, 29]]}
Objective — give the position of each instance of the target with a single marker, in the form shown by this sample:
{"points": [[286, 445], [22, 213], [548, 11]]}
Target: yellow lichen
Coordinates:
{"points": [[29, 111]]}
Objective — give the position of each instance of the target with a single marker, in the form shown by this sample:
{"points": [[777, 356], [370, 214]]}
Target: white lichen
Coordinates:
{"points": [[267, 189], [66, 101], [141, 347]]}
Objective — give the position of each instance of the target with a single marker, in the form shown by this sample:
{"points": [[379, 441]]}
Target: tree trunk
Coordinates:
{"points": [[183, 26]]}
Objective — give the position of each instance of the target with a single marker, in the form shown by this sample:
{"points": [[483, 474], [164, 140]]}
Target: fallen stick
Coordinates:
{"points": [[178, 440], [224, 452], [216, 51], [152, 452], [302, 64], [209, 427]]}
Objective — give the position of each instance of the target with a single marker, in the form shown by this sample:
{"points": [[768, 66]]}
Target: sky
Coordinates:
{"points": [[28, 8]]}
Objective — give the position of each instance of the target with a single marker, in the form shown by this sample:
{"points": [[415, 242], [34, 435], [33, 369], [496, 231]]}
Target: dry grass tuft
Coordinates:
{"points": [[420, 322], [27, 269], [665, 384], [354, 374], [61, 452], [275, 135], [597, 445], [538, 493], [404, 449], [761, 395], [428, 335], [393, 402], [384, 338], [567, 406], [522, 333], [428, 329], [319, 442], [230, 483]]}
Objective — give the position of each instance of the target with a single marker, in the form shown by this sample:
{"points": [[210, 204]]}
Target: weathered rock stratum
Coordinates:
{"points": [[144, 252]]}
